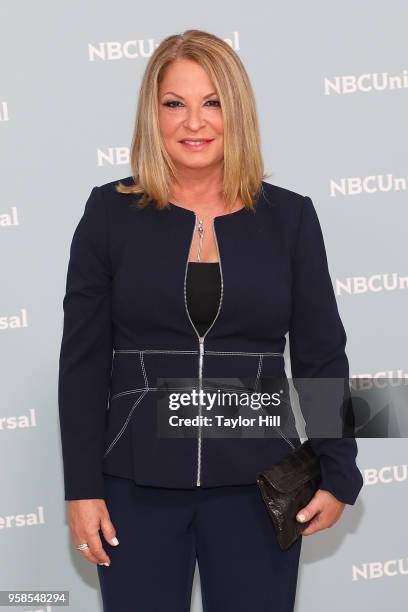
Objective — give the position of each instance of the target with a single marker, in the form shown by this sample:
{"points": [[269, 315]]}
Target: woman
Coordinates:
{"points": [[192, 267]]}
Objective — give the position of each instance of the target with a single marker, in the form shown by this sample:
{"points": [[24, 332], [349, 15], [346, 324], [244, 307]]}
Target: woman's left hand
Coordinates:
{"points": [[325, 509]]}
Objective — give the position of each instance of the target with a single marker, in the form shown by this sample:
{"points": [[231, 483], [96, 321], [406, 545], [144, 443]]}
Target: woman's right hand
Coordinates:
{"points": [[86, 517]]}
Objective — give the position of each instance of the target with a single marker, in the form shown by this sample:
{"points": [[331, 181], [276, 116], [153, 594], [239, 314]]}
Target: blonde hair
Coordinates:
{"points": [[152, 167]]}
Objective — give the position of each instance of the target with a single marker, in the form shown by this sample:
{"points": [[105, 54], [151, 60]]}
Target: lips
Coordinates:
{"points": [[196, 140], [196, 145]]}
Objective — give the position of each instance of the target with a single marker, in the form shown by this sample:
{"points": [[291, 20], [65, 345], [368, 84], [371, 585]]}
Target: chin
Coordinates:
{"points": [[196, 161]]}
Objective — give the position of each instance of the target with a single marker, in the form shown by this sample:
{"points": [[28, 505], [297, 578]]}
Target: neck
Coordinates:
{"points": [[195, 188]]}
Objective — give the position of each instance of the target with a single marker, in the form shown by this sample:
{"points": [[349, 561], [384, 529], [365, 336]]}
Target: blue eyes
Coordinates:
{"points": [[169, 103]]}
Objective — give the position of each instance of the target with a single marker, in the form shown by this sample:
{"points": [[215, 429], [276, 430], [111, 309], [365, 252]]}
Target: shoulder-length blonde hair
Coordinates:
{"points": [[152, 167]]}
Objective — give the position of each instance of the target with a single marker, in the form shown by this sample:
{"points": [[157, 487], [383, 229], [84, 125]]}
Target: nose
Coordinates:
{"points": [[194, 118]]}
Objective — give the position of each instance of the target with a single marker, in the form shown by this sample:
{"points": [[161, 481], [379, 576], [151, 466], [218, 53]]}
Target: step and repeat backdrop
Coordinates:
{"points": [[331, 83]]}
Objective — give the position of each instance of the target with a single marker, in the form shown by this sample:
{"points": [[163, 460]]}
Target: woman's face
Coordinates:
{"points": [[189, 109]]}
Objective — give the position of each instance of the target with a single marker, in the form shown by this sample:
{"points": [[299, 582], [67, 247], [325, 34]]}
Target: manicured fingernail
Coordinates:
{"points": [[301, 517], [115, 541], [107, 564]]}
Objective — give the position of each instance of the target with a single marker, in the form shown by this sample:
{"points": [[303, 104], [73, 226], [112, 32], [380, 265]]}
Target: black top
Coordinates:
{"points": [[203, 289]]}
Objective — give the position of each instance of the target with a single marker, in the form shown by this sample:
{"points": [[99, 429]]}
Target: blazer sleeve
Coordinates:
{"points": [[86, 353], [317, 340]]}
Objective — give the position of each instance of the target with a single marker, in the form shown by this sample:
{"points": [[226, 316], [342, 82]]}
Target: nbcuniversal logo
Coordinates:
{"points": [[9, 219], [4, 112], [16, 321], [134, 49], [375, 283], [386, 474], [357, 185], [113, 156], [380, 569], [366, 83], [29, 519]]}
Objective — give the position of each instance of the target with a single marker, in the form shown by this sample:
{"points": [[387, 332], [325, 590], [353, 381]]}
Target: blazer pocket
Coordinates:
{"points": [[122, 408]]}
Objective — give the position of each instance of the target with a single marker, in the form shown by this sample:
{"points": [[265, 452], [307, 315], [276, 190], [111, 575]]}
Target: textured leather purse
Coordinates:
{"points": [[288, 486]]}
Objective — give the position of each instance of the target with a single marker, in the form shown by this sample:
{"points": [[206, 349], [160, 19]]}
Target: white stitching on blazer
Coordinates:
{"points": [[242, 353], [125, 424], [155, 351], [258, 375], [207, 352]]}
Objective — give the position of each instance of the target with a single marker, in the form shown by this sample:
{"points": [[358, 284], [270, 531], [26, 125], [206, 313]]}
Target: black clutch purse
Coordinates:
{"points": [[288, 486]]}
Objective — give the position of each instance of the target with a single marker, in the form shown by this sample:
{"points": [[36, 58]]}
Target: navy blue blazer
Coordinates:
{"points": [[126, 325]]}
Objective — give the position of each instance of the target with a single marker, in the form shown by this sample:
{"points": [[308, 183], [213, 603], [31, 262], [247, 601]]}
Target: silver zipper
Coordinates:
{"points": [[201, 341]]}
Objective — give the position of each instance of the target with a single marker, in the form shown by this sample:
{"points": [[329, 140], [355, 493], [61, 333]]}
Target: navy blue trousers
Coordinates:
{"points": [[162, 532]]}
